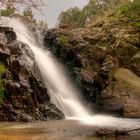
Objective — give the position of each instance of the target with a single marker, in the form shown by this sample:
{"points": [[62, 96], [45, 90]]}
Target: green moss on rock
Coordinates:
{"points": [[2, 71], [64, 39]]}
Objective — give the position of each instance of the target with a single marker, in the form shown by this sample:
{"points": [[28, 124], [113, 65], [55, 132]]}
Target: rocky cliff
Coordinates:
{"points": [[104, 61], [23, 95]]}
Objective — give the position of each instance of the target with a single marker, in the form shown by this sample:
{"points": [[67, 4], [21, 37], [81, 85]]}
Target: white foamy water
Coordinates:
{"points": [[63, 94], [61, 90]]}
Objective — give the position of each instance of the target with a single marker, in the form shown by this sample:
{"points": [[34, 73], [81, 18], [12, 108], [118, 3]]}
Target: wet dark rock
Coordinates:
{"points": [[25, 92], [4, 51], [25, 118], [113, 105], [52, 112], [9, 33]]}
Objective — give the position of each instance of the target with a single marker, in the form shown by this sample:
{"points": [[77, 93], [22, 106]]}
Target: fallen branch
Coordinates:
{"points": [[116, 133]]}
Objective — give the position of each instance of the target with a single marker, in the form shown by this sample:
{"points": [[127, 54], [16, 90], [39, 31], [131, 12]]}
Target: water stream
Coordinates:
{"points": [[63, 94]]}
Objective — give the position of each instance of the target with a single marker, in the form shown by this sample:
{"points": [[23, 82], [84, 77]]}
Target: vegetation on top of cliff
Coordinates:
{"points": [[75, 17], [17, 4], [131, 9], [2, 71], [23, 9], [127, 13]]}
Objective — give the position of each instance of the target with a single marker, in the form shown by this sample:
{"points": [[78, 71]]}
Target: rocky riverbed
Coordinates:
{"points": [[62, 130]]}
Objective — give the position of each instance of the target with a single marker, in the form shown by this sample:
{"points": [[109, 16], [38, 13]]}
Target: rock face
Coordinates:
{"points": [[93, 55], [25, 95], [102, 59]]}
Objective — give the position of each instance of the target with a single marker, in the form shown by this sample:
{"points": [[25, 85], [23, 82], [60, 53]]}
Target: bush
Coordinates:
{"points": [[2, 70], [64, 39], [131, 9], [137, 24], [124, 9], [8, 11]]}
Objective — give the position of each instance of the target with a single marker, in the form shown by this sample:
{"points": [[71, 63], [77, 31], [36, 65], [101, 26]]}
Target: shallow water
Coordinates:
{"points": [[53, 130]]}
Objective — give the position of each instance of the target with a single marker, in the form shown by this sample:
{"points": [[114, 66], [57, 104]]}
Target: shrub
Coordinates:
{"points": [[124, 9], [64, 39], [2, 70], [137, 24], [131, 9]]}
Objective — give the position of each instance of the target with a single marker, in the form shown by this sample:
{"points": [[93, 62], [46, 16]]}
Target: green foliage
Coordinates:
{"points": [[27, 94], [70, 18], [64, 39], [131, 9], [21, 8], [113, 83], [124, 9], [28, 13], [8, 11], [21, 4], [137, 24], [2, 71], [75, 18]]}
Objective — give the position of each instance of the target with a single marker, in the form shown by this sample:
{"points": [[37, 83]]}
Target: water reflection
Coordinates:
{"points": [[22, 137], [55, 130]]}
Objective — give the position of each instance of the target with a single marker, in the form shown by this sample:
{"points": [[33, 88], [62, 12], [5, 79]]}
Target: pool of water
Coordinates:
{"points": [[54, 130]]}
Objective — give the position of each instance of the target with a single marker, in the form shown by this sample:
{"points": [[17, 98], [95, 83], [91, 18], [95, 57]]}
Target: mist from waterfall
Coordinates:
{"points": [[61, 90]]}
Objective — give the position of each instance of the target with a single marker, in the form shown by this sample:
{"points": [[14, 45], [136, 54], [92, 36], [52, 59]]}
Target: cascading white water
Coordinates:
{"points": [[61, 90]]}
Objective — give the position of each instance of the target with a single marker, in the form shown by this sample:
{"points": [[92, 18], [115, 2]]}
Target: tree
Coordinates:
{"points": [[70, 17], [75, 17], [21, 3], [9, 7], [20, 8]]}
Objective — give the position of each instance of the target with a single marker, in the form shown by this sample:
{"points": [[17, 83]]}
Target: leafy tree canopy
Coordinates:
{"points": [[23, 9], [21, 3], [75, 18]]}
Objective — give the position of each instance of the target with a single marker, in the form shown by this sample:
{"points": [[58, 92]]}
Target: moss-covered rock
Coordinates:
{"points": [[2, 71]]}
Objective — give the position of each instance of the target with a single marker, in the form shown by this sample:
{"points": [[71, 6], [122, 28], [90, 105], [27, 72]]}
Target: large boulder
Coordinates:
{"points": [[135, 63], [122, 96]]}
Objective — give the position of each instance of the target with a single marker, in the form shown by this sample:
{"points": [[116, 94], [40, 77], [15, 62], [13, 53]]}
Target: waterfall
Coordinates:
{"points": [[62, 92]]}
